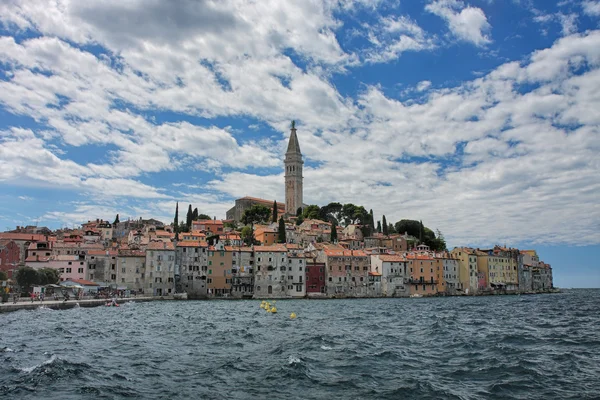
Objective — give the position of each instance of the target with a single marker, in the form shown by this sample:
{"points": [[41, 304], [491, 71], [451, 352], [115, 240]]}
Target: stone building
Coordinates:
{"points": [[101, 265], [347, 272], [160, 268], [393, 269], [296, 274], [242, 271], [191, 268], [270, 275], [131, 272], [235, 213]]}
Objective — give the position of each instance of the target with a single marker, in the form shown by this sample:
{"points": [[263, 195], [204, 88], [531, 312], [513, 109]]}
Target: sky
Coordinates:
{"points": [[481, 118]]}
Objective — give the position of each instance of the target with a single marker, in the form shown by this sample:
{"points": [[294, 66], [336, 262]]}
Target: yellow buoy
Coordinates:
{"points": [[293, 315], [273, 310]]}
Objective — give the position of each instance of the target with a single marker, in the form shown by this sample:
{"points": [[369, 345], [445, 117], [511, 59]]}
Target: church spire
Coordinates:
{"points": [[293, 146]]}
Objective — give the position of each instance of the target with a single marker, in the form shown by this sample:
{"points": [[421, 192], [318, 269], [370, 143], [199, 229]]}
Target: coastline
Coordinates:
{"points": [[65, 305]]}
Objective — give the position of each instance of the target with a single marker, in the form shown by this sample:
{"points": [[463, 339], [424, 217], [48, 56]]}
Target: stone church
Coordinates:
{"points": [[293, 185]]}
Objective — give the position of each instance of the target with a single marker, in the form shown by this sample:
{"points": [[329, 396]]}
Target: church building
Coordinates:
{"points": [[293, 185]]}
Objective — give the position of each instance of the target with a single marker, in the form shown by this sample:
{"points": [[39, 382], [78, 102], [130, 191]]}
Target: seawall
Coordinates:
{"points": [[64, 305]]}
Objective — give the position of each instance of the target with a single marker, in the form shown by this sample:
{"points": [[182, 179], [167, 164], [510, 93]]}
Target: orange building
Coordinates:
{"points": [[218, 279], [208, 225], [266, 236], [422, 274]]}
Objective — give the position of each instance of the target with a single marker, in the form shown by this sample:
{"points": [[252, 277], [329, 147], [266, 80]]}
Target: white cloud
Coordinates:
{"points": [[394, 35], [465, 22], [591, 7], [510, 156]]}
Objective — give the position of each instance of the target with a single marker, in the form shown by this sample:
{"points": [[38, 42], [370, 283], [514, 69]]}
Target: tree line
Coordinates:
{"points": [[27, 277]]}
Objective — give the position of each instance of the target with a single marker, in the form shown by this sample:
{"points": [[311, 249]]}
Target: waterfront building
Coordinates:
{"points": [[467, 269], [9, 256], [242, 271], [101, 264], [393, 269], [131, 272], [483, 272], [296, 274], [421, 274], [541, 277], [191, 268], [218, 278], [346, 270], [69, 266], [160, 269], [270, 275], [450, 273], [315, 278]]}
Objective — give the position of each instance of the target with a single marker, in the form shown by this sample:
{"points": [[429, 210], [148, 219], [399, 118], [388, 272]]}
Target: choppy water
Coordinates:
{"points": [[522, 347]]}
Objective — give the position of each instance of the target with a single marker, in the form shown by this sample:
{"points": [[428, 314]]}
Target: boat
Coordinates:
{"points": [[416, 295], [180, 296]]}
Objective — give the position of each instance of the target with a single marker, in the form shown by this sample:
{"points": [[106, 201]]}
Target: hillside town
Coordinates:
{"points": [[267, 249]]}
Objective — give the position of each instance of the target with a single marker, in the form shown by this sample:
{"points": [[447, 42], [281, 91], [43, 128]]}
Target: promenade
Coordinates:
{"points": [[26, 304]]}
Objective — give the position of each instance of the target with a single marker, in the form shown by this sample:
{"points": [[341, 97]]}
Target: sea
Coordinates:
{"points": [[495, 347]]}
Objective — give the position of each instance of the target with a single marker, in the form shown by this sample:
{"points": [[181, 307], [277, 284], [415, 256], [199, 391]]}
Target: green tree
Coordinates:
{"points": [[26, 277], [391, 229], [247, 235], [331, 212], [188, 219], [49, 275], [3, 276], [281, 231], [195, 214], [378, 226], [409, 226], [176, 221], [203, 217], [371, 223], [256, 214], [311, 212], [116, 220], [299, 212], [334, 237], [274, 219], [384, 225]]}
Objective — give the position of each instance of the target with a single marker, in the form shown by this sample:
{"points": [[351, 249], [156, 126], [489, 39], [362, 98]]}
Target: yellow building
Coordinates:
{"points": [[218, 278], [467, 268]]}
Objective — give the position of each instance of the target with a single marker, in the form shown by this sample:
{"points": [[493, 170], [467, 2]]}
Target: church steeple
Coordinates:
{"points": [[293, 174]]}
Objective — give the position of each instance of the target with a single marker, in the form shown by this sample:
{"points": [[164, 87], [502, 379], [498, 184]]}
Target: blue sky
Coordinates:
{"points": [[481, 118]]}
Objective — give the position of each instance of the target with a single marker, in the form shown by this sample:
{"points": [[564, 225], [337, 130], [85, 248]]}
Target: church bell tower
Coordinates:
{"points": [[293, 174]]}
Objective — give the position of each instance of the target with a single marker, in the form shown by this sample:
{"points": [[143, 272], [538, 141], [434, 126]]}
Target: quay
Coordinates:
{"points": [[65, 305]]}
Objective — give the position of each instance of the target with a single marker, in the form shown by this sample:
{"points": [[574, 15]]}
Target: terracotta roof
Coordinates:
{"points": [[102, 253], [391, 258], [344, 253], [264, 201], [22, 236], [131, 253], [192, 243], [160, 246], [208, 222], [374, 273], [274, 248]]}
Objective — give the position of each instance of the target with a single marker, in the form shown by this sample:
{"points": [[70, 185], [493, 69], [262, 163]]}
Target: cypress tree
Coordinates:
{"points": [[274, 219], [333, 232], [188, 219], [281, 234], [371, 223], [420, 230], [176, 221], [378, 226], [116, 220], [195, 215], [384, 225]]}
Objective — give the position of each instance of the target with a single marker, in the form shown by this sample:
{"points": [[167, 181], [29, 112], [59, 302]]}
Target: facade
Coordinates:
{"points": [[421, 272], [296, 274], [69, 267], [541, 277], [347, 272], [450, 271], [101, 265], [393, 270], [160, 267], [467, 269], [315, 278], [293, 174], [132, 273], [242, 272], [191, 268], [23, 240], [218, 278], [270, 275], [9, 256]]}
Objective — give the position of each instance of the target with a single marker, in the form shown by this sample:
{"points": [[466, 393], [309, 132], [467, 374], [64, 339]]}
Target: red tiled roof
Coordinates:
{"points": [[22, 236], [274, 248], [84, 282], [192, 243], [265, 202], [160, 246], [102, 253], [391, 258]]}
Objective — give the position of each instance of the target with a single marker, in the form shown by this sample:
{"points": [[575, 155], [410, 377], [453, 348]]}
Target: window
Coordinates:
{"points": [[113, 277], [209, 280], [210, 271], [80, 270], [298, 288], [123, 270], [300, 280], [122, 280], [330, 279], [80, 262], [68, 270], [70, 263], [258, 288]]}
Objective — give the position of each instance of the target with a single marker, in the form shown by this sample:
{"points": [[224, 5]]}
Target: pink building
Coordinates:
{"points": [[69, 266]]}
